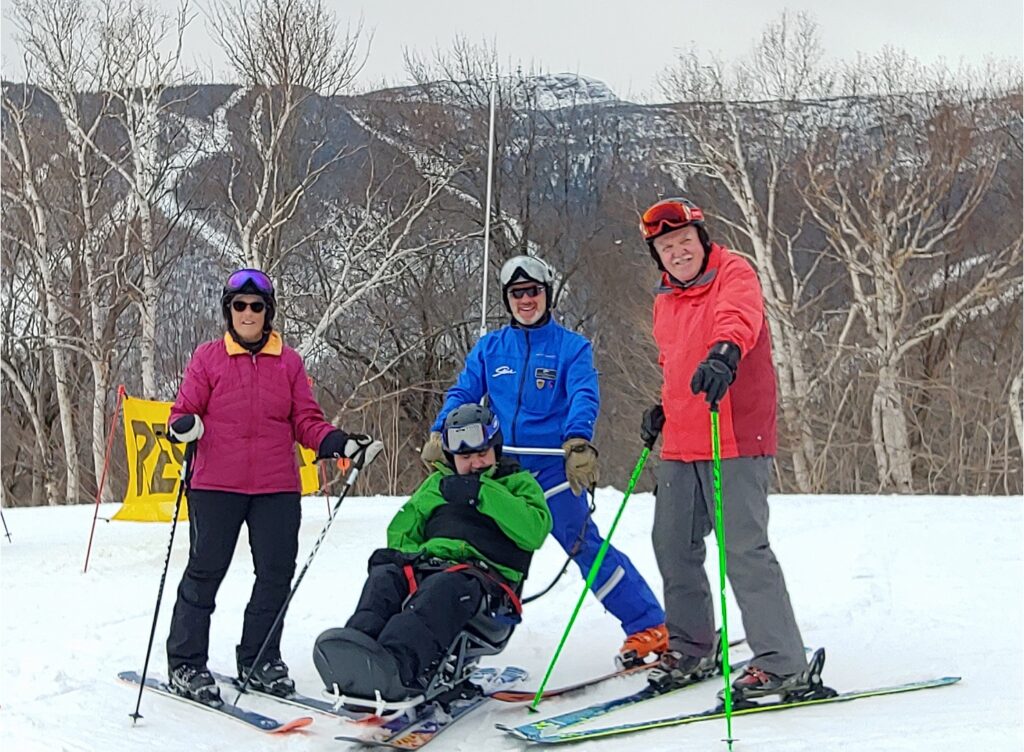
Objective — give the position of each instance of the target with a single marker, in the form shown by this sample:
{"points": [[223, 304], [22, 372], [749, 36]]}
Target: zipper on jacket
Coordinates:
{"points": [[253, 400], [522, 382]]}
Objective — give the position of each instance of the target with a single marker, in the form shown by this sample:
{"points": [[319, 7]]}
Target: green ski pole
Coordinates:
{"points": [[716, 456], [592, 574]]}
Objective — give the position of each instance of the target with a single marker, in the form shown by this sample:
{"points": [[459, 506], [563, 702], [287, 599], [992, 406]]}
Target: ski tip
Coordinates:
{"points": [[293, 725]]}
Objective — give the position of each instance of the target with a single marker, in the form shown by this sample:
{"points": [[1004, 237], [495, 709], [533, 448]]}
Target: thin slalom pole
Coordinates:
{"points": [[592, 574], [121, 394], [356, 467], [186, 464], [716, 457], [487, 208]]}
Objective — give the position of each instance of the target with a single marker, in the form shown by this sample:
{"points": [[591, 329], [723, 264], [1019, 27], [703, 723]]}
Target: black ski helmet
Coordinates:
{"points": [[673, 214], [526, 269], [249, 282], [471, 428]]}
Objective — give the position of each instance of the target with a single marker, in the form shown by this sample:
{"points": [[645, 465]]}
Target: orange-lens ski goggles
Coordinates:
{"points": [[672, 213]]}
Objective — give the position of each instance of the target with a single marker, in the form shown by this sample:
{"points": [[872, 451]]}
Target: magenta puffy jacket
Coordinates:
{"points": [[254, 408]]}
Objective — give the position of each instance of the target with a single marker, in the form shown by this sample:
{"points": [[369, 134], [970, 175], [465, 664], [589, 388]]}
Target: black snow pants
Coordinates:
{"points": [[440, 605], [215, 520]]}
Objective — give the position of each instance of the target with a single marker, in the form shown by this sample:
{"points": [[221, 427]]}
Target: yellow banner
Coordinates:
{"points": [[154, 464]]}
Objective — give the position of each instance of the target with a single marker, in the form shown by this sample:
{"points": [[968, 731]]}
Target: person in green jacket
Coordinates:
{"points": [[467, 532]]}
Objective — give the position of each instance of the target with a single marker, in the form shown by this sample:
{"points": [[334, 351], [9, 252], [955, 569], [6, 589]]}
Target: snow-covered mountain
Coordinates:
{"points": [[549, 91]]}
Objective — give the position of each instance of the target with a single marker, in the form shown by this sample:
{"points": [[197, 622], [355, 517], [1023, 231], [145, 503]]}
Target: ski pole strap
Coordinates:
{"points": [[490, 578]]}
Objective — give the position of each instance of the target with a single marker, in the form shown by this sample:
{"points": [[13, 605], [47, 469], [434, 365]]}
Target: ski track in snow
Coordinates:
{"points": [[896, 588]]}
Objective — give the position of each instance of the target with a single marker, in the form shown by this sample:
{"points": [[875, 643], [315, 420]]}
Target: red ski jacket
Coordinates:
{"points": [[254, 408], [724, 304]]}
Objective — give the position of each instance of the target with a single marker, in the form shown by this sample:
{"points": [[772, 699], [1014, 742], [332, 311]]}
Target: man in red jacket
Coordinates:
{"points": [[714, 349]]}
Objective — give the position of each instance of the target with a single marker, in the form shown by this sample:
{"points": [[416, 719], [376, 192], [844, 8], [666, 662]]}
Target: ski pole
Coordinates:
{"points": [[716, 456], [186, 466], [356, 466], [6, 531], [592, 574]]}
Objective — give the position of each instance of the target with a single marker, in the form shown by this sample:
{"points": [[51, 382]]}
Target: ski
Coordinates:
{"points": [[248, 717], [295, 699], [552, 726], [523, 695], [414, 731], [529, 732]]}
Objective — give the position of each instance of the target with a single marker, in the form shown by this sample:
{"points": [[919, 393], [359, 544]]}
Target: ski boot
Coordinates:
{"points": [[270, 676], [755, 683], [641, 644], [195, 683], [676, 670]]}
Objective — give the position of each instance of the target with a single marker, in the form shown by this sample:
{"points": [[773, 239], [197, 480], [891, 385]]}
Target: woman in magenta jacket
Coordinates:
{"points": [[245, 400]]}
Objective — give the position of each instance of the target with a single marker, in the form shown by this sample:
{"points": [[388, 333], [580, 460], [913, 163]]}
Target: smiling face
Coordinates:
{"points": [[681, 252], [475, 462], [248, 324], [531, 306]]}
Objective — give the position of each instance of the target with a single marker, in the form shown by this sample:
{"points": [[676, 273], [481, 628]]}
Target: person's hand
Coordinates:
{"points": [[332, 445], [716, 372], [651, 424], [461, 489], [581, 468], [362, 449], [432, 450], [186, 429]]}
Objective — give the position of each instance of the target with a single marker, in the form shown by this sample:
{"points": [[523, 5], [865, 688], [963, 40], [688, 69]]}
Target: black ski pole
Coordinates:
{"points": [[6, 531], [186, 466], [316, 547]]}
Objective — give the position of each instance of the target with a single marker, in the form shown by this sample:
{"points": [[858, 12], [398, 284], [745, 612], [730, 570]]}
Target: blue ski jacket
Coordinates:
{"points": [[541, 383]]}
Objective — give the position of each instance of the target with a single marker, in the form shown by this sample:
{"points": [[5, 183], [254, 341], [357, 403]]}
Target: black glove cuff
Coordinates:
{"points": [[184, 424], [728, 353]]}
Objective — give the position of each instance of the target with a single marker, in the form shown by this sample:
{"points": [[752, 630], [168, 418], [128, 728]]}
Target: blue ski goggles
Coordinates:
{"points": [[251, 277]]}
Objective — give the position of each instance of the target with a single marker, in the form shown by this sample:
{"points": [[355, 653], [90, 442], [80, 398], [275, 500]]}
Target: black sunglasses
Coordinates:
{"points": [[522, 292], [241, 305]]}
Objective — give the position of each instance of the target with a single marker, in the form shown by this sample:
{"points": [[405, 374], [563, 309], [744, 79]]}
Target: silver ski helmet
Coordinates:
{"points": [[471, 428], [249, 282], [526, 269]]}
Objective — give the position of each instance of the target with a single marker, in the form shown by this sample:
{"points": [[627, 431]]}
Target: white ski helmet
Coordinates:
{"points": [[526, 269]]}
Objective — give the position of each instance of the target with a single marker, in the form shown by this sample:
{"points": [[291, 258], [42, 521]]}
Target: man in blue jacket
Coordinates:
{"points": [[541, 382]]}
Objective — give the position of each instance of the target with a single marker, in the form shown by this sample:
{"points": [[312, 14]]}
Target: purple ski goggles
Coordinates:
{"points": [[253, 277]]}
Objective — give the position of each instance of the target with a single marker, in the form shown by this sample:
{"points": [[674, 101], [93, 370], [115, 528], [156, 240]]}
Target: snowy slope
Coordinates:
{"points": [[897, 588]]}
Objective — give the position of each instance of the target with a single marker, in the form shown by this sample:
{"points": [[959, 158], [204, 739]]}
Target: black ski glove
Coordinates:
{"points": [[461, 489], [651, 424], [186, 429], [332, 445], [714, 375]]}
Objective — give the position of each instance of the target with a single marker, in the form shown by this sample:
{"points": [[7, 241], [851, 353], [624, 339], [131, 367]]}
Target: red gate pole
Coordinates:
{"points": [[103, 475]]}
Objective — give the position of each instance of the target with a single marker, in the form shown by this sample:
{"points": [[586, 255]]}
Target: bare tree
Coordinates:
{"points": [[894, 207], [24, 195], [285, 52]]}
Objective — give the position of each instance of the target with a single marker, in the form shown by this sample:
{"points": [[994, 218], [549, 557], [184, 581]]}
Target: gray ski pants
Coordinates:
{"points": [[683, 517]]}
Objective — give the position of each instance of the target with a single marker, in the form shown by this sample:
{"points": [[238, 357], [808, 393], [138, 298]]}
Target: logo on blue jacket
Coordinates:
{"points": [[503, 371]]}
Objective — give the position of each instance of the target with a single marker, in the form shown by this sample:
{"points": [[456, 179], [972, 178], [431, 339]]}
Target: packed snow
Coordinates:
{"points": [[896, 589]]}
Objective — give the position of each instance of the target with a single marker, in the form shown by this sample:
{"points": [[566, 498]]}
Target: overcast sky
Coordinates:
{"points": [[626, 44]]}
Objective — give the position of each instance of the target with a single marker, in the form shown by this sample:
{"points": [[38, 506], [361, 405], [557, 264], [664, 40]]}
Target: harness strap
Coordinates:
{"points": [[410, 577], [487, 576]]}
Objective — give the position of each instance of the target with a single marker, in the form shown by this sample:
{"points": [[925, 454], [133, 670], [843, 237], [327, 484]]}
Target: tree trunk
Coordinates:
{"points": [[889, 433]]}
